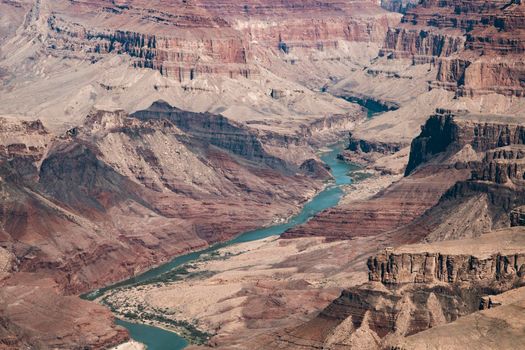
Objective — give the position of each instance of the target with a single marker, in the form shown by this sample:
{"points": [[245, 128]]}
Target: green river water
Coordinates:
{"points": [[159, 339]]}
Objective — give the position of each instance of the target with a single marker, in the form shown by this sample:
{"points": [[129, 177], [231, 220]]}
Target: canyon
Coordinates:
{"points": [[192, 136]]}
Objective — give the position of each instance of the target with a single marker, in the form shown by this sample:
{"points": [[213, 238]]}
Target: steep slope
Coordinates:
{"points": [[233, 59], [417, 287], [491, 148], [122, 193], [394, 207], [475, 45]]}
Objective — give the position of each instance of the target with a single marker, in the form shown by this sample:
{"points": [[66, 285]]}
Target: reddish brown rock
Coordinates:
{"points": [[394, 207], [189, 39], [477, 46], [390, 268], [416, 287], [120, 194], [36, 315]]}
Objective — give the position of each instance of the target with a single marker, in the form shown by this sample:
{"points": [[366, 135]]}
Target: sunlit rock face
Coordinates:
{"points": [[185, 39], [476, 46]]}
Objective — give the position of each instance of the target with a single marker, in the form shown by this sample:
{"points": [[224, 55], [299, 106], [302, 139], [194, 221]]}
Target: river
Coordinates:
{"points": [[159, 339]]}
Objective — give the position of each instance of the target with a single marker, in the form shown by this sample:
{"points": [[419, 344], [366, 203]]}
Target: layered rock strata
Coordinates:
{"points": [[475, 45], [457, 156], [392, 268], [392, 208], [124, 192], [492, 195], [191, 39], [417, 287], [449, 132]]}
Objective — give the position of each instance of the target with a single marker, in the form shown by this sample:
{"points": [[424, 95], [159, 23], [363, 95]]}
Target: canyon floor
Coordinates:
{"points": [[250, 288]]}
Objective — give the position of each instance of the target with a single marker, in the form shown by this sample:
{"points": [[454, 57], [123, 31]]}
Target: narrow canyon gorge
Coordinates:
{"points": [[293, 174]]}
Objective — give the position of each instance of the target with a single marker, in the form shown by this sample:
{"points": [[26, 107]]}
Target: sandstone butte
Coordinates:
{"points": [[135, 131]]}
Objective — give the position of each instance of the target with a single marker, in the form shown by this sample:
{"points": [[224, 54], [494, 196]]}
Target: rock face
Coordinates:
{"points": [[517, 216], [417, 287], [316, 169], [458, 157], [401, 6], [392, 208], [501, 166], [189, 39], [477, 47], [371, 316], [474, 331], [447, 132], [390, 268], [491, 147], [37, 317], [215, 130], [373, 147], [96, 205], [422, 286]]}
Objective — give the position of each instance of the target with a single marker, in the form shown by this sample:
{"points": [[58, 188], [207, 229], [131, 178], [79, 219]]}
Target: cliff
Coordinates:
{"points": [[215, 130], [475, 45], [187, 40], [418, 287], [447, 132], [96, 205], [490, 149], [390, 268], [458, 157]]}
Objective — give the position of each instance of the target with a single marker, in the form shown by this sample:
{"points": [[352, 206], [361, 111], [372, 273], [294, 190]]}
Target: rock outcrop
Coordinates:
{"points": [[448, 132], [392, 208], [415, 288], [216, 130], [96, 205], [476, 46], [190, 39], [491, 149], [401, 6], [37, 317], [390, 268], [517, 216], [458, 157]]}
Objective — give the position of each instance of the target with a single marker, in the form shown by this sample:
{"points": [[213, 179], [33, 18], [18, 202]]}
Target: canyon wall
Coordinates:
{"points": [[389, 268], [462, 253], [490, 149], [191, 39], [447, 132], [418, 287], [476, 46], [120, 193]]}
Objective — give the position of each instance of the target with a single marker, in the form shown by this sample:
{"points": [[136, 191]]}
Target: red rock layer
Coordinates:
{"points": [[118, 195], [38, 317], [368, 315], [411, 291], [396, 206], [447, 132], [186, 39], [390, 268], [476, 45]]}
